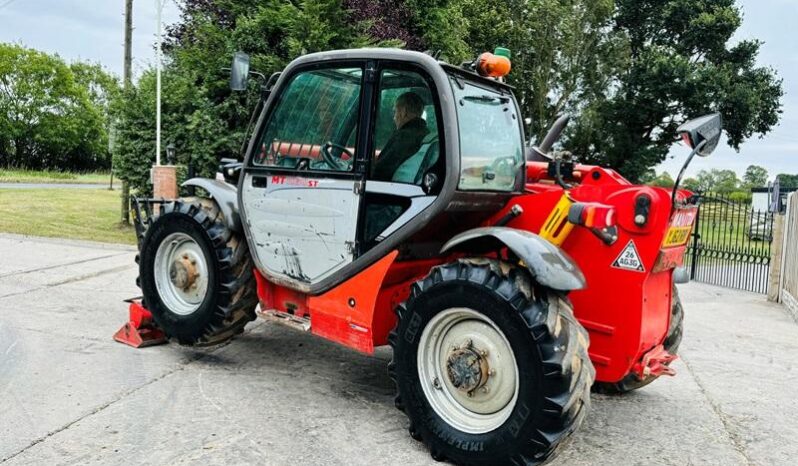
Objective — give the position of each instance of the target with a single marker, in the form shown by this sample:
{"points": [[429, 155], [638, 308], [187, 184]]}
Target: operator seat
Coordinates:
{"points": [[380, 214], [412, 170]]}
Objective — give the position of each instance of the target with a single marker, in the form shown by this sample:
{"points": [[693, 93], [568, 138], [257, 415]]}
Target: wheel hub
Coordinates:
{"points": [[183, 272], [466, 368]]}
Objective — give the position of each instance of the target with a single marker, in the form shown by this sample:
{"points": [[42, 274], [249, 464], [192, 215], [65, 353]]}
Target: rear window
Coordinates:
{"points": [[491, 145]]}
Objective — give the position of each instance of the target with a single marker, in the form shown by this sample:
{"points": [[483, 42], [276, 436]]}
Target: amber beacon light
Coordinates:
{"points": [[494, 65]]}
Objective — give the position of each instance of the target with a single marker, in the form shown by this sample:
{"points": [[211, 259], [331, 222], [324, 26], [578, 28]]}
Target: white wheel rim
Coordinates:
{"points": [[455, 346], [181, 273]]}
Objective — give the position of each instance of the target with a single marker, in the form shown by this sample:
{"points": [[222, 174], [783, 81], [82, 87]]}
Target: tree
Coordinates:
{"points": [[717, 181], [630, 71], [691, 184], [755, 176], [52, 115], [787, 180], [679, 66], [663, 180], [200, 115], [133, 152], [648, 176], [386, 21], [563, 52]]}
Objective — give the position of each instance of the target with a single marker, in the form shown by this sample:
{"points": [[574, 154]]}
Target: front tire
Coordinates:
{"points": [[489, 368], [196, 274]]}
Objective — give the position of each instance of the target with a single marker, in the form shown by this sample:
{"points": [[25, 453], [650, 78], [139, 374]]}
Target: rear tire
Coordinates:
{"points": [[527, 338], [222, 271], [671, 345]]}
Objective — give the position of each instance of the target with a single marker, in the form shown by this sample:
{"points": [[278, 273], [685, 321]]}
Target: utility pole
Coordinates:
{"points": [[128, 80]]}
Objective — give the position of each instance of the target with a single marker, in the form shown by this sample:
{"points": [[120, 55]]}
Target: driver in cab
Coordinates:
{"points": [[406, 139]]}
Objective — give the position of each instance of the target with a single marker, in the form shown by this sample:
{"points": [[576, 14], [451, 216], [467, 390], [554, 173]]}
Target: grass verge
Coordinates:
{"points": [[88, 214], [43, 176]]}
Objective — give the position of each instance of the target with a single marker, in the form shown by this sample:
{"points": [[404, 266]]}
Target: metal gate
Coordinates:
{"points": [[731, 244]]}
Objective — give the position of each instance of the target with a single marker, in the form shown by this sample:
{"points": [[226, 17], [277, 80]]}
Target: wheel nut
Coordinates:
{"points": [[436, 383]]}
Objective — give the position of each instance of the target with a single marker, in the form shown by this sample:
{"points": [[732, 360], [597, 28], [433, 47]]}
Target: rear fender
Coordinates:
{"points": [[226, 197], [549, 265]]}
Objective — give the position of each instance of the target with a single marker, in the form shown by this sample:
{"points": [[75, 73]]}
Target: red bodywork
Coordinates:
{"points": [[626, 312]]}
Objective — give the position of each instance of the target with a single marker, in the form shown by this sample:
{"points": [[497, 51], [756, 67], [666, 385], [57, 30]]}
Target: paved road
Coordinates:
{"points": [[70, 395], [52, 186]]}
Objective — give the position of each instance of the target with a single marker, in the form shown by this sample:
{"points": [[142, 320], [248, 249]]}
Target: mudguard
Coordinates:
{"points": [[226, 197], [549, 265]]}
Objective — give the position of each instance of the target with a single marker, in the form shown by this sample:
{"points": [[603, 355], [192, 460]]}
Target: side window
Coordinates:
{"points": [[491, 148], [315, 123], [406, 128]]}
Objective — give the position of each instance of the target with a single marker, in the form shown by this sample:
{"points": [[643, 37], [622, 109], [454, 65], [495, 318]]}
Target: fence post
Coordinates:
{"points": [[774, 273], [696, 237]]}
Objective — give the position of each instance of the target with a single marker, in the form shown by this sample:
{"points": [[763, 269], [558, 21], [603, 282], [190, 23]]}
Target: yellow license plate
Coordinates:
{"points": [[677, 236]]}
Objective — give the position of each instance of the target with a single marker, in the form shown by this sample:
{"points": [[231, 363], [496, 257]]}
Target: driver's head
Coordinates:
{"points": [[408, 106]]}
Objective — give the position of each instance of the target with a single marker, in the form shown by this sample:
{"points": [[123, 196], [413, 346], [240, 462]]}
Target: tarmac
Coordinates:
{"points": [[69, 394]]}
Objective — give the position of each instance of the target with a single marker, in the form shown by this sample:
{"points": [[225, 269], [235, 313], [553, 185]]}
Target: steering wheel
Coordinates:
{"points": [[336, 163], [505, 166]]}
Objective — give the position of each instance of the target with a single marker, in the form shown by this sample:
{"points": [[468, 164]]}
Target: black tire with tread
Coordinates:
{"points": [[550, 347], [671, 345], [232, 297]]}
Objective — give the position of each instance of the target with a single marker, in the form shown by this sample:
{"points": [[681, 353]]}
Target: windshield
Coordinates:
{"points": [[491, 145]]}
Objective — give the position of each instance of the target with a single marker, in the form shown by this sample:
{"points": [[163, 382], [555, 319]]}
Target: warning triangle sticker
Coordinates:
{"points": [[629, 259]]}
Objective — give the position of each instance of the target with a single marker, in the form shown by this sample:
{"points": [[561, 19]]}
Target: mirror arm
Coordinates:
{"points": [[697, 148], [553, 135]]}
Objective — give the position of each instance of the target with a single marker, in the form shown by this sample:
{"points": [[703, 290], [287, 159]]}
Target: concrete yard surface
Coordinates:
{"points": [[69, 394]]}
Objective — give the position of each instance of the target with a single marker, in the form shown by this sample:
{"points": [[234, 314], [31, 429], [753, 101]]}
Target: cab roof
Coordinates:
{"points": [[395, 54]]}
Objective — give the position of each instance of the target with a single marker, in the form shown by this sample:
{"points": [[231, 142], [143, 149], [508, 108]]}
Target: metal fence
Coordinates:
{"points": [[731, 244]]}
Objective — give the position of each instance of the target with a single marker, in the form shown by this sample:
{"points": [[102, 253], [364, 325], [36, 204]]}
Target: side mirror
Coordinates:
{"points": [[239, 72], [703, 131]]}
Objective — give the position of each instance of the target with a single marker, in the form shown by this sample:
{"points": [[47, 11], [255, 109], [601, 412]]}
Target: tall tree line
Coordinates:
{"points": [[53, 115], [629, 71]]}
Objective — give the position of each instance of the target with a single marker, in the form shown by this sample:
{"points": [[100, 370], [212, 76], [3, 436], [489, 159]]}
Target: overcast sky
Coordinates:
{"points": [[93, 30], [90, 30]]}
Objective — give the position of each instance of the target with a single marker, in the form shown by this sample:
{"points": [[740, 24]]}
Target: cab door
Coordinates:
{"points": [[301, 189]]}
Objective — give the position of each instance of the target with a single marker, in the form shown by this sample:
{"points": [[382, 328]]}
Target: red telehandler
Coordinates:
{"points": [[508, 281]]}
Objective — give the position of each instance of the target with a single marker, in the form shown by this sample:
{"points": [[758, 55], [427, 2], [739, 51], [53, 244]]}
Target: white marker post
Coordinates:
{"points": [[159, 4]]}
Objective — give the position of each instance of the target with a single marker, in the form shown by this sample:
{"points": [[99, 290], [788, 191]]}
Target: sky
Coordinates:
{"points": [[92, 30], [773, 22], [87, 30]]}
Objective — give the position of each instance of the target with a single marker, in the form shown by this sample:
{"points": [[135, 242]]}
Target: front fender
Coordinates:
{"points": [[226, 197], [549, 265]]}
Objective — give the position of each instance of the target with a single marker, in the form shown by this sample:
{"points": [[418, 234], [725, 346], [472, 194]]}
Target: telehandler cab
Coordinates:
{"points": [[507, 282]]}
